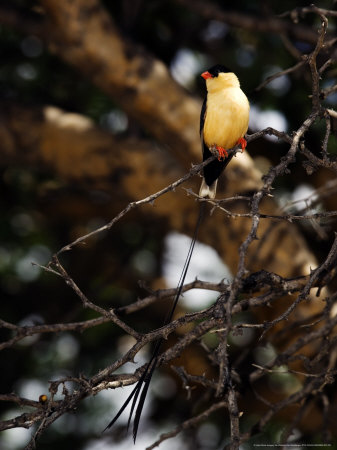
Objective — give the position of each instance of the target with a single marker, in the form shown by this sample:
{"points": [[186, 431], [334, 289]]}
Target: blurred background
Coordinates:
{"points": [[40, 211]]}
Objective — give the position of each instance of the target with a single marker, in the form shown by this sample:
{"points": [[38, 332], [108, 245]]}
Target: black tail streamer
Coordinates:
{"points": [[142, 386]]}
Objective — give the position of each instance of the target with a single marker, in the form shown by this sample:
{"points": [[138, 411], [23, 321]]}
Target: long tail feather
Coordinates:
{"points": [[125, 404], [143, 383], [145, 378], [142, 399]]}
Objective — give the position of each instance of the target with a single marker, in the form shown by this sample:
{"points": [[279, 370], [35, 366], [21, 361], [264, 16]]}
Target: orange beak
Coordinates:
{"points": [[206, 75]]}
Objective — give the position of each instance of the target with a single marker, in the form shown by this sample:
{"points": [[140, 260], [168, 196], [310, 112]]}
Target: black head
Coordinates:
{"points": [[218, 68]]}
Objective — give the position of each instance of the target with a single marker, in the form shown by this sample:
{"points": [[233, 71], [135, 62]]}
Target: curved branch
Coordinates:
{"points": [[134, 169], [270, 24]]}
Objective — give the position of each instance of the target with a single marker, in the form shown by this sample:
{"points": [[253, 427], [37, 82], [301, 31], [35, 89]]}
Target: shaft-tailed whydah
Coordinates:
{"points": [[223, 124]]}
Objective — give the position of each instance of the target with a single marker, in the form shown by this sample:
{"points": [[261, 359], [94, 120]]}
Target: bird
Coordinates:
{"points": [[223, 123]]}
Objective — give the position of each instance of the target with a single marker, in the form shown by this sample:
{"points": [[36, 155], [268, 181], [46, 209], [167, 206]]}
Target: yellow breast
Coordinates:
{"points": [[227, 116]]}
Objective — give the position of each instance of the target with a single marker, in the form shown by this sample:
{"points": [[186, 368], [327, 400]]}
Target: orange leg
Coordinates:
{"points": [[222, 152], [243, 143]]}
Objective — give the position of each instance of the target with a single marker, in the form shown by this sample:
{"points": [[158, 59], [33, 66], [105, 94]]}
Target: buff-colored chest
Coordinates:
{"points": [[227, 116]]}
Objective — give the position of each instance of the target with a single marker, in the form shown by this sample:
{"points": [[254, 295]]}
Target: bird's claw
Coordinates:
{"points": [[218, 151], [243, 143], [222, 153]]}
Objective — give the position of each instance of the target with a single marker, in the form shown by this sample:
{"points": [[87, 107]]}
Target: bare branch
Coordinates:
{"points": [[188, 424]]}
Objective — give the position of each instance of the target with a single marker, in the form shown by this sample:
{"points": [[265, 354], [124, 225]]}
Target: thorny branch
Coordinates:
{"points": [[188, 424], [245, 292]]}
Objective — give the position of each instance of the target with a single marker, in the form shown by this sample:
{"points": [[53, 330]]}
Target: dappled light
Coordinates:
{"points": [[117, 269]]}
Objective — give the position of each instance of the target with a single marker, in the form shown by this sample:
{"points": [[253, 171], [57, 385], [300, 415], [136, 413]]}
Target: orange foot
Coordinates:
{"points": [[243, 143], [222, 153]]}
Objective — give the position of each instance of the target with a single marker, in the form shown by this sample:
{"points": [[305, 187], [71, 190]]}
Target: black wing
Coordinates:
{"points": [[202, 116], [213, 170]]}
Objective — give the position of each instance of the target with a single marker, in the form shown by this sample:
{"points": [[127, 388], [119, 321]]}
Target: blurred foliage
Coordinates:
{"points": [[39, 214]]}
